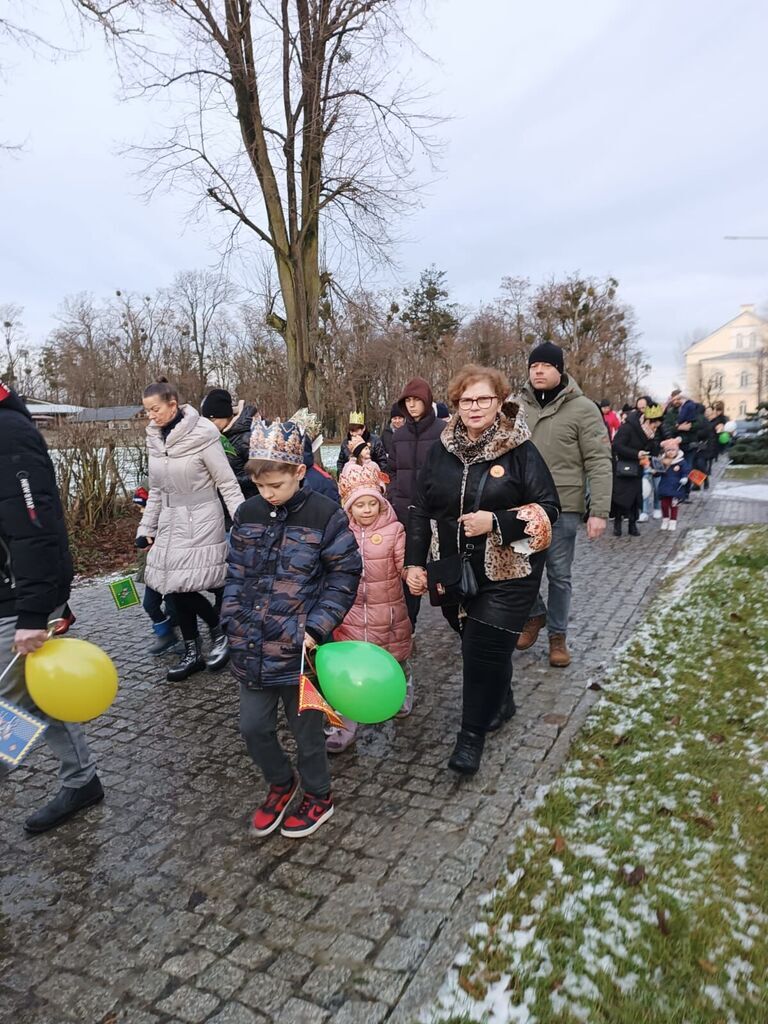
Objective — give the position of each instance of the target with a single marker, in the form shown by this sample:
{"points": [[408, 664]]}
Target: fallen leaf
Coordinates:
{"points": [[735, 617], [471, 987], [675, 720], [559, 844], [714, 797], [760, 808], [708, 966], [663, 921], [600, 761], [633, 877], [594, 686], [111, 1018], [708, 823], [619, 741], [667, 812], [717, 737], [598, 808]]}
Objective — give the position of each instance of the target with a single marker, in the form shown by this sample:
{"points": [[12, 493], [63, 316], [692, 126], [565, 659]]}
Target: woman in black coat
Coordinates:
{"points": [[634, 441], [492, 498]]}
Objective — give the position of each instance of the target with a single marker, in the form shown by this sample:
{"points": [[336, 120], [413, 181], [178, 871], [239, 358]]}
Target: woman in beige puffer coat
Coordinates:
{"points": [[183, 522]]}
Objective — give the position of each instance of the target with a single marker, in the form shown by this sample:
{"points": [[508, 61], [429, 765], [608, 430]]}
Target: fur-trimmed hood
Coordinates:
{"points": [[509, 431]]}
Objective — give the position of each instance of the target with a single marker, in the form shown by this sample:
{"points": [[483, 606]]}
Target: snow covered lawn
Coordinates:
{"points": [[638, 891]]}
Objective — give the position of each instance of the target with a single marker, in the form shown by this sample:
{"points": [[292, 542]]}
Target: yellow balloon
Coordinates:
{"points": [[71, 680]]}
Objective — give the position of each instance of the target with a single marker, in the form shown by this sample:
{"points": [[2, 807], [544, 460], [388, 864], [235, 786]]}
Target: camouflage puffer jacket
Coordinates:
{"points": [[290, 569]]}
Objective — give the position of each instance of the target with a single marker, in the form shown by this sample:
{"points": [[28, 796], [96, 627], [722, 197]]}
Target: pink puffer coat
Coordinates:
{"points": [[379, 614]]}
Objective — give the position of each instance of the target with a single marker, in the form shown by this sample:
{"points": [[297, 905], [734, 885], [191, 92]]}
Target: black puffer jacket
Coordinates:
{"points": [[236, 440], [35, 564], [518, 475], [411, 445]]}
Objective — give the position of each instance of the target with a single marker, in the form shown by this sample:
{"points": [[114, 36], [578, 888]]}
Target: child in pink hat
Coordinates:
{"points": [[379, 614], [672, 481]]}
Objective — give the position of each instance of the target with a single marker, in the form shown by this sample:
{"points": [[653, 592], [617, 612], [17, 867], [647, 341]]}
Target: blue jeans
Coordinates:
{"points": [[652, 501], [559, 560]]}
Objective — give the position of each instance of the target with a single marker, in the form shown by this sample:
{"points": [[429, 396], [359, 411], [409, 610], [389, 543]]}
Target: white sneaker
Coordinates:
{"points": [[672, 524], [643, 517], [657, 513], [665, 524]]}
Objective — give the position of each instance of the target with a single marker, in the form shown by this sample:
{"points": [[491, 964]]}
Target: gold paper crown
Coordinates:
{"points": [[653, 412], [308, 421], [356, 419], [277, 442]]}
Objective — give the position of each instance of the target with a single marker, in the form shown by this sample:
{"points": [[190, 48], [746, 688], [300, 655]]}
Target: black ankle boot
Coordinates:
{"points": [[505, 712], [66, 803], [192, 661], [633, 530], [218, 656], [467, 753], [617, 526]]}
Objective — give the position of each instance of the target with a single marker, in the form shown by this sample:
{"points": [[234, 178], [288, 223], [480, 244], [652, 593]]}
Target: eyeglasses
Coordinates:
{"points": [[484, 402]]}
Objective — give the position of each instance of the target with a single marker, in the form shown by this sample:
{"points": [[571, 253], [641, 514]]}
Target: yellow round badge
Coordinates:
{"points": [[376, 538], [497, 471]]}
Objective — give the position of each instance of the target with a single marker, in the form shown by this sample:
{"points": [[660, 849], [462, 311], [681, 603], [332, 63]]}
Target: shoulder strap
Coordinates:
{"points": [[480, 487]]}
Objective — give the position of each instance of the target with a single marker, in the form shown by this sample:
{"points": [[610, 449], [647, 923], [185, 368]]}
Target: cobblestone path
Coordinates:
{"points": [[157, 905]]}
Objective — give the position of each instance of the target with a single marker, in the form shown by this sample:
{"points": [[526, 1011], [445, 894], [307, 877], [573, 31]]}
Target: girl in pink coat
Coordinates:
{"points": [[379, 614]]}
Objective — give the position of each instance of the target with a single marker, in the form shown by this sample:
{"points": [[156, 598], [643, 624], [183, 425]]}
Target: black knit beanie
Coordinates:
{"points": [[396, 411], [217, 405], [547, 353]]}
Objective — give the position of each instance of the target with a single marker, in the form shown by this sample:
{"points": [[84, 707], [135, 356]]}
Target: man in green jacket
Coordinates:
{"points": [[569, 431]]}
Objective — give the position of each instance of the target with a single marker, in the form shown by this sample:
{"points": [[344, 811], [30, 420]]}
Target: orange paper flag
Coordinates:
{"points": [[310, 699], [696, 477]]}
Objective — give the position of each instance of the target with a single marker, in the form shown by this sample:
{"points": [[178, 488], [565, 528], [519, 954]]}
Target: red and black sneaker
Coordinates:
{"points": [[312, 812], [267, 817], [64, 623]]}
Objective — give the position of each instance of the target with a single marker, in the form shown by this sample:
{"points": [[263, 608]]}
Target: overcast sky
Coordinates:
{"points": [[608, 136]]}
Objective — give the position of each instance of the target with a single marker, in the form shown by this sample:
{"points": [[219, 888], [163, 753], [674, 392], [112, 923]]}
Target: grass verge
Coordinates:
{"points": [[638, 891]]}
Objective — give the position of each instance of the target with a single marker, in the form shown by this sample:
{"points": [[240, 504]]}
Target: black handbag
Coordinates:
{"points": [[627, 469], [451, 580]]}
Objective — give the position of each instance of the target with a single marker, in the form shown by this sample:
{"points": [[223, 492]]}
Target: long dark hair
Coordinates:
{"points": [[163, 390]]}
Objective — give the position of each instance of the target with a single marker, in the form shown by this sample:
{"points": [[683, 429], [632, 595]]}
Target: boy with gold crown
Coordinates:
{"points": [[293, 573]]}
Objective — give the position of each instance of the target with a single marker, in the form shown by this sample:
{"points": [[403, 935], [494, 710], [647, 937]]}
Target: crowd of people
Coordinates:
{"points": [[244, 530]]}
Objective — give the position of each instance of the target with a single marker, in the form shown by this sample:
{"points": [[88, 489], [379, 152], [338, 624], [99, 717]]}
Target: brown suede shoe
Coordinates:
{"points": [[559, 655], [530, 633]]}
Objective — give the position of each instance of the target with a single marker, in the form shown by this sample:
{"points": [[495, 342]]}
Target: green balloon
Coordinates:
{"points": [[724, 438], [360, 680]]}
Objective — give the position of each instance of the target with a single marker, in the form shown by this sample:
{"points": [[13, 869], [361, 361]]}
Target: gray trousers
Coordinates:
{"points": [[258, 727], [76, 764], [558, 567]]}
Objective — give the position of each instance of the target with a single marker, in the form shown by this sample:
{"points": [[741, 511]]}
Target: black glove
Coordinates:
{"points": [[142, 542]]}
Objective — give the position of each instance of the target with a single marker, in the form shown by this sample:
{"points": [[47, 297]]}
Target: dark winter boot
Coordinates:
{"points": [[505, 712], [617, 526], [467, 753], [192, 661], [166, 637], [66, 803], [632, 530], [218, 656]]}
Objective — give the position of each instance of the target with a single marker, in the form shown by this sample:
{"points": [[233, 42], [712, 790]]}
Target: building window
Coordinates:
{"points": [[717, 380], [753, 340], [742, 408], [739, 341], [744, 379]]}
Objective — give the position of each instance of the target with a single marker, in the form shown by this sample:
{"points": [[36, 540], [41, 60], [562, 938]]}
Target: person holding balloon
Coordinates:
{"points": [[292, 576], [379, 614], [35, 579], [493, 502]]}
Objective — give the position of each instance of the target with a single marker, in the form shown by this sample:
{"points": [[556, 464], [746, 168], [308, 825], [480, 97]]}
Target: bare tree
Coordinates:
{"points": [[327, 130], [14, 344]]}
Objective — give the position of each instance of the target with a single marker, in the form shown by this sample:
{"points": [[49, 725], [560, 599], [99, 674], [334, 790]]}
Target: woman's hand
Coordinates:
{"points": [[476, 524], [416, 580]]}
